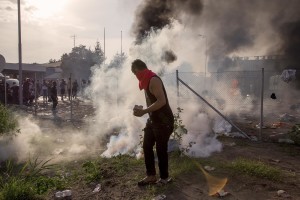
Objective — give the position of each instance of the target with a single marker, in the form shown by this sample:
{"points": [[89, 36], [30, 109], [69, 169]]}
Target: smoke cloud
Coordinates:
{"points": [[167, 36]]}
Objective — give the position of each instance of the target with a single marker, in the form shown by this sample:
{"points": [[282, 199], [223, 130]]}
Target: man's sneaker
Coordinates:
{"points": [[164, 181], [148, 180]]}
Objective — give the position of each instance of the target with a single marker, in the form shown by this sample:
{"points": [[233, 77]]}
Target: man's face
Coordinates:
{"points": [[134, 70]]}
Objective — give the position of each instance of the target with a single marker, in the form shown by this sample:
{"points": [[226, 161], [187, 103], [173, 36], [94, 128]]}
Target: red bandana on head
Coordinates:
{"points": [[144, 78]]}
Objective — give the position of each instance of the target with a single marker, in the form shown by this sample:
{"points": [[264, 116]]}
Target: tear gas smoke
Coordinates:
{"points": [[167, 36]]}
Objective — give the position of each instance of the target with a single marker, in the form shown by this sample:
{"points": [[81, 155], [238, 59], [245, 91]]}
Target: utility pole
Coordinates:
{"points": [[104, 46], [74, 38], [121, 45], [20, 56]]}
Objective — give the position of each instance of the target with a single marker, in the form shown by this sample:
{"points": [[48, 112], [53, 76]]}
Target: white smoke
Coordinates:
{"points": [[115, 92]]}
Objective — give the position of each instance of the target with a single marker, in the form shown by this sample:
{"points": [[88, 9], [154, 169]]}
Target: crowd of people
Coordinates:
{"points": [[48, 89]]}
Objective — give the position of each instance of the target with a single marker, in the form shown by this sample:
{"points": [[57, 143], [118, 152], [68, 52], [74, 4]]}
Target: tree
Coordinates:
{"points": [[117, 61], [80, 61], [53, 61]]}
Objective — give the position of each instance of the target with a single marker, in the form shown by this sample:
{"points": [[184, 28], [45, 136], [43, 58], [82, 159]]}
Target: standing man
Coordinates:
{"points": [[54, 95], [62, 88], [159, 126]]}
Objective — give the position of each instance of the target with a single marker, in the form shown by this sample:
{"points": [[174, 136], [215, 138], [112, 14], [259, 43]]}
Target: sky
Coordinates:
{"points": [[48, 27]]}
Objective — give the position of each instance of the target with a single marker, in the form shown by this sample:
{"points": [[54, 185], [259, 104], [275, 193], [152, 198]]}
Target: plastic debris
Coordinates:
{"points": [[288, 141], [97, 188], [222, 193], [160, 197], [277, 124], [209, 168], [282, 193], [235, 135], [66, 194], [258, 126], [275, 160], [59, 195], [231, 144], [287, 118], [253, 138]]}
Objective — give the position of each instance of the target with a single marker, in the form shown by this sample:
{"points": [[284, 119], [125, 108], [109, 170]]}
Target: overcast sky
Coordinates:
{"points": [[47, 27]]}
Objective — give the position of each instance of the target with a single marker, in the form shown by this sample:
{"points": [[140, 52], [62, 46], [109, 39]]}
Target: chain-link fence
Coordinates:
{"points": [[238, 94]]}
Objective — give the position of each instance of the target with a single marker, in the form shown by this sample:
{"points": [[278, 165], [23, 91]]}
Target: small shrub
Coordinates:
{"points": [[92, 171], [8, 122], [179, 128], [16, 189], [294, 134], [26, 181]]}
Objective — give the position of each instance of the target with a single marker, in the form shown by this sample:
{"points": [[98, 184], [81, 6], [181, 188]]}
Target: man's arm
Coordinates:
{"points": [[156, 88]]}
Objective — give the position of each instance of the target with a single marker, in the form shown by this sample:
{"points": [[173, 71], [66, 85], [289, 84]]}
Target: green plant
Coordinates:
{"points": [[186, 165], [179, 128], [26, 181], [179, 131], [34, 168], [294, 134], [43, 184], [255, 168], [8, 122], [92, 171], [17, 188]]}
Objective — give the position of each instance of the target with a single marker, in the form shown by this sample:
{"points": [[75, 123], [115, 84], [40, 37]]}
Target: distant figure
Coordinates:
{"points": [[74, 89], [15, 93], [45, 91], [83, 86], [62, 88], [54, 95], [38, 89], [69, 87], [26, 92], [49, 85]]}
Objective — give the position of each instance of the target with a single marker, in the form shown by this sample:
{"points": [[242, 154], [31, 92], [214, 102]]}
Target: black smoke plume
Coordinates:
{"points": [[168, 56], [157, 14], [153, 15]]}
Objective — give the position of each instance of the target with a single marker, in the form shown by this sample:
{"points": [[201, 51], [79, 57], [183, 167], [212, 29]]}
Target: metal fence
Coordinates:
{"points": [[240, 95]]}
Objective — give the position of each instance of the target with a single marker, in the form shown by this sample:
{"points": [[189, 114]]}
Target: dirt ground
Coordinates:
{"points": [[191, 186]]}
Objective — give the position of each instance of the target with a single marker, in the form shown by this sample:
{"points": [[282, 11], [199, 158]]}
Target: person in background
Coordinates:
{"points": [[15, 93], [74, 89], [45, 91], [62, 88], [38, 89], [54, 95], [159, 126], [26, 92]]}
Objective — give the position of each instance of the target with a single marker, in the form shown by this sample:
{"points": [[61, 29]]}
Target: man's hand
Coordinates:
{"points": [[138, 111]]}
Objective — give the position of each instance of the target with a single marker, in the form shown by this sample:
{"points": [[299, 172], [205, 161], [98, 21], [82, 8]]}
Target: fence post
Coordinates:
{"points": [[177, 82], [35, 95], [262, 103], [5, 91], [71, 96]]}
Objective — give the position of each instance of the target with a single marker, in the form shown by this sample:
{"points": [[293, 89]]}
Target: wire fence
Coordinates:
{"points": [[238, 94], [234, 93]]}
